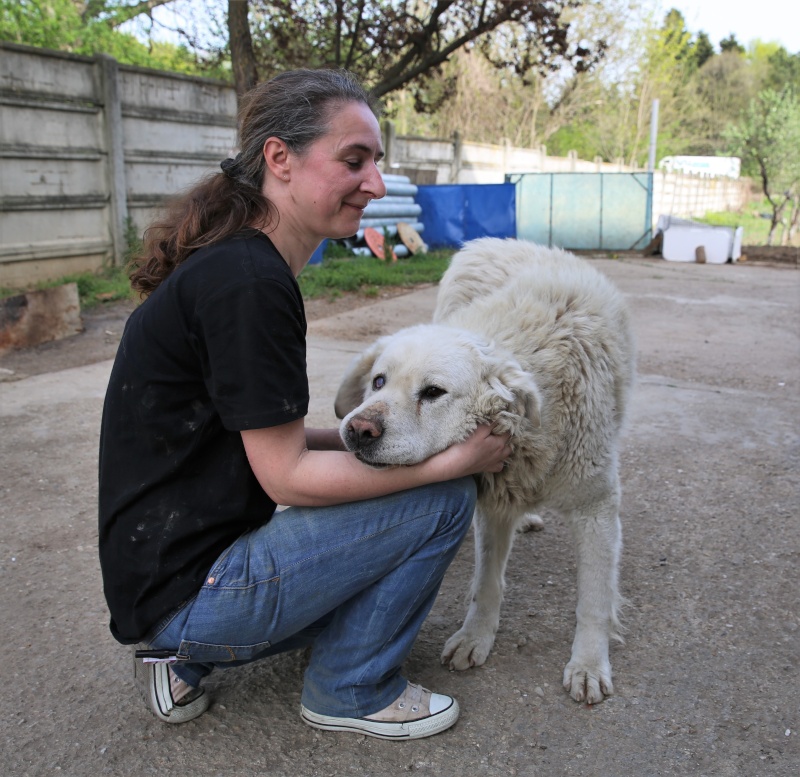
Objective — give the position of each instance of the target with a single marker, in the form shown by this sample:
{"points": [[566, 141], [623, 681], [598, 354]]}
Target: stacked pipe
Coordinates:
{"points": [[384, 214]]}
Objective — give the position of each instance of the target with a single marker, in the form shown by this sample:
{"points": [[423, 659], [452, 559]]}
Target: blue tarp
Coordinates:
{"points": [[453, 214]]}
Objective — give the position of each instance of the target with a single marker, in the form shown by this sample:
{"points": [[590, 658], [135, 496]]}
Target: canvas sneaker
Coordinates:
{"points": [[169, 698], [415, 714]]}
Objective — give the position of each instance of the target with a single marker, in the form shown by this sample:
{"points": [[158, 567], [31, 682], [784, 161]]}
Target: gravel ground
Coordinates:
{"points": [[706, 683]]}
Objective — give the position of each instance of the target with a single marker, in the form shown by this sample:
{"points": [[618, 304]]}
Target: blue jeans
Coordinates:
{"points": [[356, 581]]}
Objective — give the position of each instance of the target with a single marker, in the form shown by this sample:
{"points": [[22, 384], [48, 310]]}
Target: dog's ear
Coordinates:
{"points": [[355, 381], [516, 389]]}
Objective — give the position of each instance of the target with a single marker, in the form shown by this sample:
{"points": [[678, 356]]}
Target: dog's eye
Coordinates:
{"points": [[431, 392], [378, 382]]}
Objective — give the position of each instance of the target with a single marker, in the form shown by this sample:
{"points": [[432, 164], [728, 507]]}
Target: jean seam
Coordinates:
{"points": [[411, 608]]}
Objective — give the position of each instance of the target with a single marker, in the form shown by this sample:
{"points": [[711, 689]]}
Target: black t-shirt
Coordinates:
{"points": [[217, 348]]}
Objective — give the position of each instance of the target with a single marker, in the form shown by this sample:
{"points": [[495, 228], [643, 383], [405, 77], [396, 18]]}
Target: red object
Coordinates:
{"points": [[376, 243]]}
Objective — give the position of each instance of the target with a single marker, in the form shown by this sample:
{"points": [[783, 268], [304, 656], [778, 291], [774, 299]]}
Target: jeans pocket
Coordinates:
{"points": [[207, 653]]}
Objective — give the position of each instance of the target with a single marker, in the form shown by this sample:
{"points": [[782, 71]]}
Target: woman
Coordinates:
{"points": [[203, 434]]}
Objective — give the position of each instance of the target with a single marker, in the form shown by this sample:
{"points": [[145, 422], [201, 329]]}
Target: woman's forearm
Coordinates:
{"points": [[294, 475]]}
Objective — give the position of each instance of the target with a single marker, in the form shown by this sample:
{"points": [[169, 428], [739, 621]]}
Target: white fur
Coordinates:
{"points": [[538, 342]]}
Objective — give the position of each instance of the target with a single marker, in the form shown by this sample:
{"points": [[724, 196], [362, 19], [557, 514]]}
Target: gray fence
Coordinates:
{"points": [[590, 211], [87, 144]]}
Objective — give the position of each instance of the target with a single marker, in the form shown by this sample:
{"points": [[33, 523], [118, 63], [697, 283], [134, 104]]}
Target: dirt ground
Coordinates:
{"points": [[706, 683]]}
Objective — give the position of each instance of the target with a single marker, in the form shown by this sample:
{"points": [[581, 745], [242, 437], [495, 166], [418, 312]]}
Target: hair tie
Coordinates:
{"points": [[230, 166]]}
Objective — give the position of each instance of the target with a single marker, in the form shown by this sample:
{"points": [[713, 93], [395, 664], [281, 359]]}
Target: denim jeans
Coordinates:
{"points": [[356, 581]]}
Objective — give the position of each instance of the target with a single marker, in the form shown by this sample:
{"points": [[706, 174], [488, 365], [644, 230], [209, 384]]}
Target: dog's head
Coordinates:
{"points": [[415, 393]]}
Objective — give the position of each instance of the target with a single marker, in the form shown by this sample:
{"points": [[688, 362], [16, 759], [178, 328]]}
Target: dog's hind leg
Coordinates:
{"points": [[471, 644], [598, 540]]}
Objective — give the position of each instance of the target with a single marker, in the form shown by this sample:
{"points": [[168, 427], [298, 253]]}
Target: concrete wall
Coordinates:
{"points": [[85, 144]]}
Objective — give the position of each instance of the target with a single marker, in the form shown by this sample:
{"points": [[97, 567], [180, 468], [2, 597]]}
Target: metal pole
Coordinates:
{"points": [[651, 166], [651, 159]]}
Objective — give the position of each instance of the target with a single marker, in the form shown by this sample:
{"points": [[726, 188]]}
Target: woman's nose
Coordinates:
{"points": [[373, 184]]}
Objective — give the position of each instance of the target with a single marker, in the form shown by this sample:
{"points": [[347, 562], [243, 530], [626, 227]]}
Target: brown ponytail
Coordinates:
{"points": [[294, 106]]}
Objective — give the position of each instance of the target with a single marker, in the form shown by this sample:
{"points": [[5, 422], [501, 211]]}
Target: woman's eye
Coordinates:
{"points": [[378, 382], [432, 392], [353, 164]]}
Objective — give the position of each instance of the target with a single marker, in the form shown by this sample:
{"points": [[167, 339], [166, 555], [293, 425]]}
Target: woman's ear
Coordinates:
{"points": [[356, 379], [276, 157]]}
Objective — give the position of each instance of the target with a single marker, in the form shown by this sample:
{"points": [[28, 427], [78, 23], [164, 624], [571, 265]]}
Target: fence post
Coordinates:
{"points": [[458, 146], [115, 150], [389, 144]]}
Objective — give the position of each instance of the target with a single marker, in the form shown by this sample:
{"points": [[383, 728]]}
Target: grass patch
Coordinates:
{"points": [[751, 217], [339, 273], [366, 274], [94, 288]]}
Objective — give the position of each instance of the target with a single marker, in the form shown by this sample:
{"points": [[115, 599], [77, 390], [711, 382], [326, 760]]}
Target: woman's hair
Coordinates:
{"points": [[296, 107]]}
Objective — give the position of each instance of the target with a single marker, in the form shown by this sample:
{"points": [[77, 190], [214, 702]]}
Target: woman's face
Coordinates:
{"points": [[332, 182]]}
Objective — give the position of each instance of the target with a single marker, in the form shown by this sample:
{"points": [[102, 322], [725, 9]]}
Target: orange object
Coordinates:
{"points": [[410, 237], [376, 243]]}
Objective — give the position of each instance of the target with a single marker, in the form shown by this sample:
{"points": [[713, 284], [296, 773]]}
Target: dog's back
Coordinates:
{"points": [[567, 325]]}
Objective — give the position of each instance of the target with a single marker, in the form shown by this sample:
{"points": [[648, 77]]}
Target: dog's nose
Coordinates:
{"points": [[363, 431]]}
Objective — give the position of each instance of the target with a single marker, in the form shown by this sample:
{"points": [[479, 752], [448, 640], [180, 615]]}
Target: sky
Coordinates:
{"points": [[767, 20]]}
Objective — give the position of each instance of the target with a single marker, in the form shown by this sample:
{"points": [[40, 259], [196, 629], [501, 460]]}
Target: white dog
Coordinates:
{"points": [[537, 342]]}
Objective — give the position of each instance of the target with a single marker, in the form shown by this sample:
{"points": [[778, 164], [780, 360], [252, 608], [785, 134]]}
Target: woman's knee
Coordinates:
{"points": [[457, 502]]}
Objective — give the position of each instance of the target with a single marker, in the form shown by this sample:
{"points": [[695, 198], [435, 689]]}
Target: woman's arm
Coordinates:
{"points": [[294, 475]]}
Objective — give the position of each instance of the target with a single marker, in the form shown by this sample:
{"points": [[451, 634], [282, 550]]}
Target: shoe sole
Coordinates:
{"points": [[414, 729]]}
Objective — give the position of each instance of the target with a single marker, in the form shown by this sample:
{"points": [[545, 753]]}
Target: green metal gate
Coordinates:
{"points": [[589, 211]]}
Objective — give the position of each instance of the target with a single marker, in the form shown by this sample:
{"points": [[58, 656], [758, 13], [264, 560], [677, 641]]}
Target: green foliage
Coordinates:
{"points": [[768, 140], [64, 25], [784, 71], [579, 137], [753, 218], [133, 241], [731, 44], [364, 274]]}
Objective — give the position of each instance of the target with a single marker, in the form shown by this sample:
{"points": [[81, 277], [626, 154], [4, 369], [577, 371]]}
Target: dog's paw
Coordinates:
{"points": [[466, 649], [588, 682], [530, 522]]}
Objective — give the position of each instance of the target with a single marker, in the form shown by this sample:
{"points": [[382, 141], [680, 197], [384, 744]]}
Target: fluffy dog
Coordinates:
{"points": [[537, 342]]}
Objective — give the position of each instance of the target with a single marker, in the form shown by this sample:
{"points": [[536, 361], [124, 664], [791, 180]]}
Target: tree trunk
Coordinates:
{"points": [[243, 62]]}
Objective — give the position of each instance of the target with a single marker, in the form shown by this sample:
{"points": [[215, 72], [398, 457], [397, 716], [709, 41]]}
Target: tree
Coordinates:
{"points": [[718, 95], [768, 141], [703, 49], [391, 44], [245, 72], [784, 71], [731, 44]]}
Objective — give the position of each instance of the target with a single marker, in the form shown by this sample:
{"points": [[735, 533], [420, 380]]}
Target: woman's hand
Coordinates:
{"points": [[482, 451]]}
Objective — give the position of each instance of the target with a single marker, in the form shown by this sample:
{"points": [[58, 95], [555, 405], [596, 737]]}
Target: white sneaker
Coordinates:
{"points": [[416, 713], [168, 697]]}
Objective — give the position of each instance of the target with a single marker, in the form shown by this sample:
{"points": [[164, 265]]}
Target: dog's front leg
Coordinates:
{"points": [[471, 644], [598, 540]]}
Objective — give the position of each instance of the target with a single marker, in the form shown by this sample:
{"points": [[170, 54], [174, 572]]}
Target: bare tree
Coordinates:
{"points": [[243, 63], [391, 44]]}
